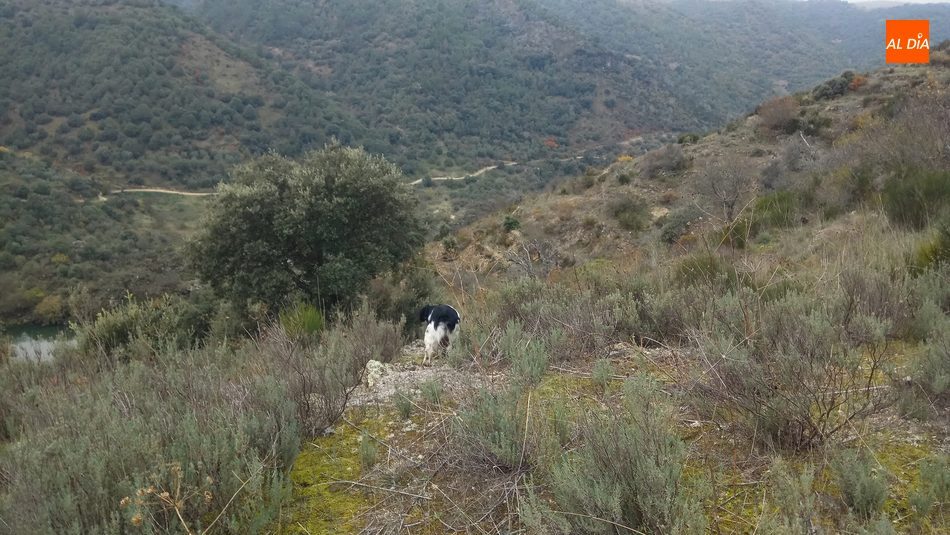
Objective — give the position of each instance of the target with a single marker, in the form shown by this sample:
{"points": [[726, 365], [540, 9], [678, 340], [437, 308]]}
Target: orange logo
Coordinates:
{"points": [[908, 41]]}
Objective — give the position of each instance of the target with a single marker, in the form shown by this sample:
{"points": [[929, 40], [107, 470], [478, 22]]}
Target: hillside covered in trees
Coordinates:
{"points": [[135, 92], [463, 79], [139, 91]]}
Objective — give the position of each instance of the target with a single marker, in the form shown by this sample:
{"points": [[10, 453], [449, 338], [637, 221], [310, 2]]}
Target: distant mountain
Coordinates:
{"points": [[140, 92], [503, 78]]}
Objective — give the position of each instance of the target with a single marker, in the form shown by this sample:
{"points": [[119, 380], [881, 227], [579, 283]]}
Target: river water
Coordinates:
{"points": [[34, 342]]}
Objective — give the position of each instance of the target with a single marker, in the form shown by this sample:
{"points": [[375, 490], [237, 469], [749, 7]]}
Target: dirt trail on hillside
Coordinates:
{"points": [[162, 190], [480, 172], [417, 182]]}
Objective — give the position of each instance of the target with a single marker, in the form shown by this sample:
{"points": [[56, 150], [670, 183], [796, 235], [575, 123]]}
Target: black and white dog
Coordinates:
{"points": [[442, 327]]}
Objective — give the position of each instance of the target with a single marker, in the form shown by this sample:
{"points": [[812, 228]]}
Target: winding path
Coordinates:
{"points": [[480, 172], [417, 182], [162, 190]]}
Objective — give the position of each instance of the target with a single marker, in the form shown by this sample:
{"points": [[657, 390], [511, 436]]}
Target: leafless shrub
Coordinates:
{"points": [[794, 372], [321, 377], [535, 258], [779, 115], [915, 138], [728, 183], [667, 160]]}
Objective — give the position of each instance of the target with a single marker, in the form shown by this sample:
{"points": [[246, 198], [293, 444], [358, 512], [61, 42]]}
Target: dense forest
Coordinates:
{"points": [[499, 78], [137, 91], [61, 236]]}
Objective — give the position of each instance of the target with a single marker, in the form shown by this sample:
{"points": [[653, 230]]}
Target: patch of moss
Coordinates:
{"points": [[734, 498], [564, 385], [317, 506], [901, 459]]}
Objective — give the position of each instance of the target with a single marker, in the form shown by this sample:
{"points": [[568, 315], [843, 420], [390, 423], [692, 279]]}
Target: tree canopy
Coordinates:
{"points": [[316, 229]]}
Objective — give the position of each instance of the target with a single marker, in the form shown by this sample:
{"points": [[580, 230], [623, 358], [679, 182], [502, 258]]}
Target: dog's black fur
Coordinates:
{"points": [[436, 314]]}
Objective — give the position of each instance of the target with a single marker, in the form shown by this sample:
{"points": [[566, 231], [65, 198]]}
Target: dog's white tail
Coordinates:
{"points": [[436, 338]]}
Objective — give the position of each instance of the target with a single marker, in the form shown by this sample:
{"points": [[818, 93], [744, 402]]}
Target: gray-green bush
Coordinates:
{"points": [[432, 391], [130, 429], [492, 429], [676, 224], [794, 499], [933, 492], [795, 371], [101, 458], [403, 405], [670, 159], [601, 374], [863, 487], [630, 211], [628, 472]]}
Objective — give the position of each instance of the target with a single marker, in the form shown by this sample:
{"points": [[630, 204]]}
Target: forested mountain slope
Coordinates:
{"points": [[139, 92], [509, 79]]}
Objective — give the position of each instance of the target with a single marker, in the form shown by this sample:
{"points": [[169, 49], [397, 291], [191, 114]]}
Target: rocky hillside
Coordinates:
{"points": [[806, 144]]}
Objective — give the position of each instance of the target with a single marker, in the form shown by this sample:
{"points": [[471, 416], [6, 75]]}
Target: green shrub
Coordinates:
{"points": [[511, 223], [369, 452], [602, 374], [688, 138], [668, 160], [624, 178], [302, 320], [432, 391], [779, 115], [320, 378], [111, 337], [931, 370], [529, 364], [561, 422], [450, 245], [881, 526], [934, 252], [631, 212], [528, 357], [916, 199], [707, 270], [933, 492], [395, 297], [629, 471], [568, 321], [793, 372], [99, 458], [794, 498], [100, 447], [677, 223], [403, 406], [834, 87], [267, 236], [492, 428], [777, 210], [739, 232], [863, 488]]}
